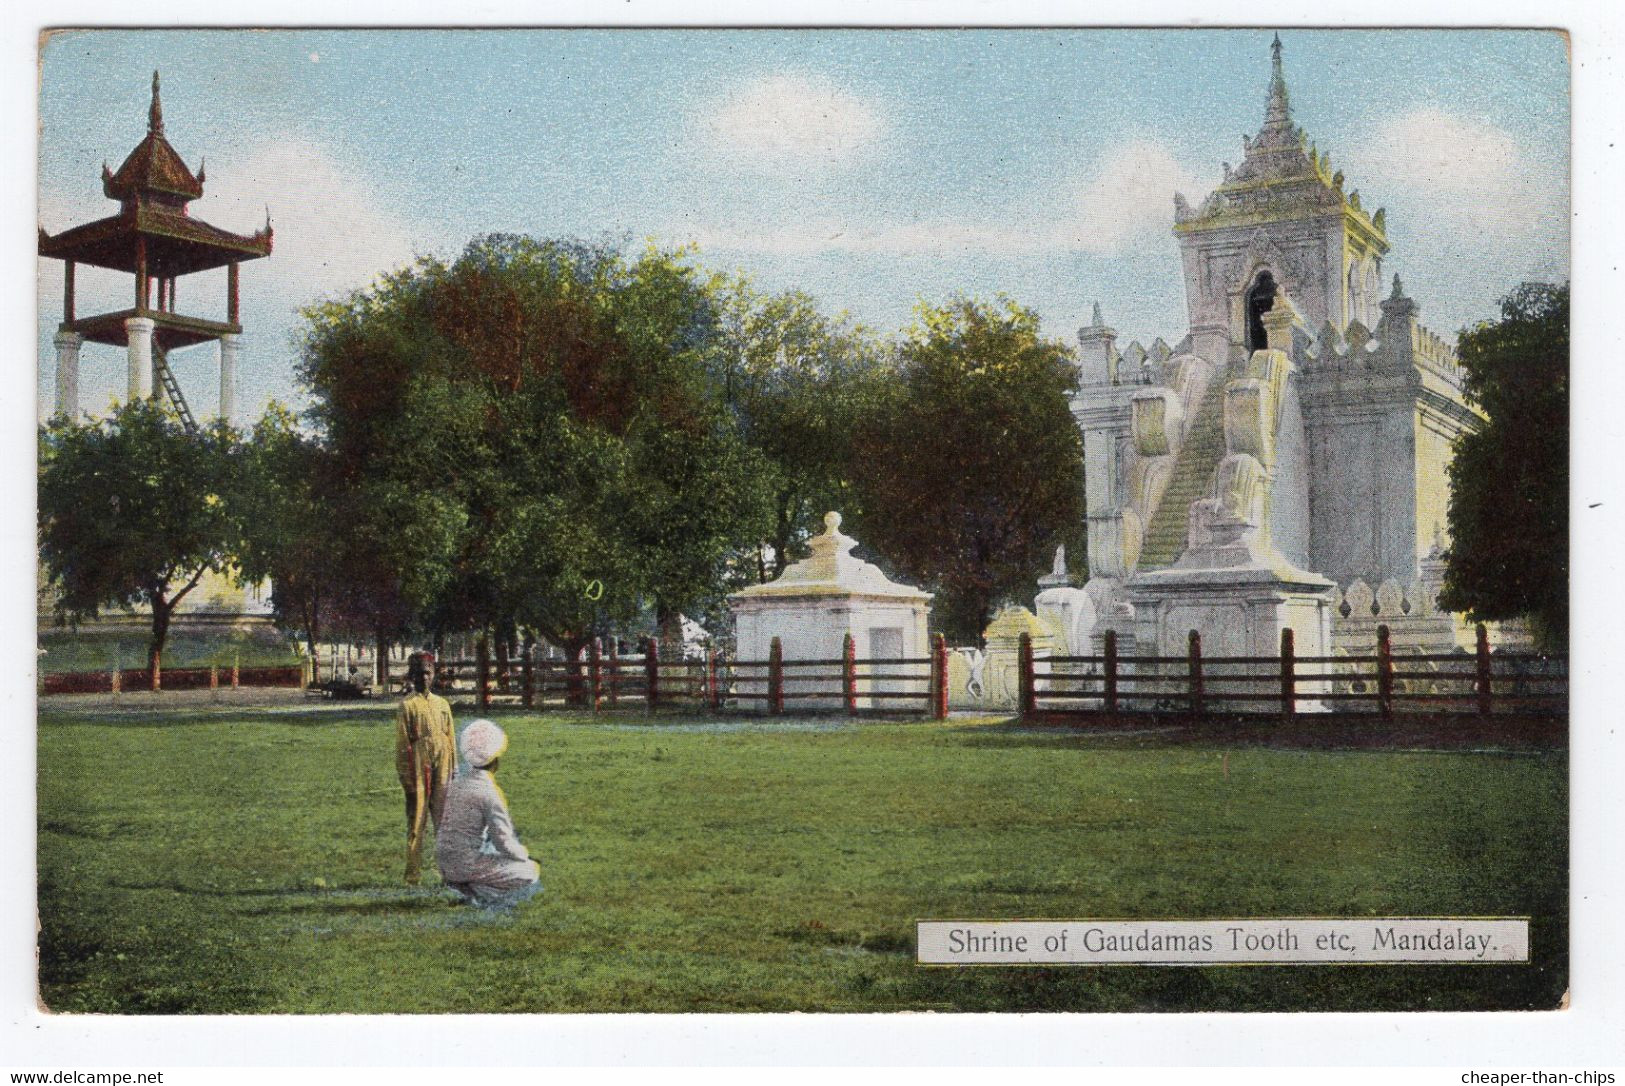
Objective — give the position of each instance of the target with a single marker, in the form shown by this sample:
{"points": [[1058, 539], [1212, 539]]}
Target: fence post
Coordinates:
{"points": [[1110, 678], [775, 678], [614, 671], [713, 693], [1385, 674], [1289, 693], [595, 672], [1198, 695], [214, 678], [651, 671], [482, 678], [1026, 701], [235, 661], [1483, 681], [116, 682], [849, 673], [527, 677], [939, 677]]}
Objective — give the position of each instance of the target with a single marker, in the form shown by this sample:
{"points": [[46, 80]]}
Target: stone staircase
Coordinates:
{"points": [[1194, 465]]}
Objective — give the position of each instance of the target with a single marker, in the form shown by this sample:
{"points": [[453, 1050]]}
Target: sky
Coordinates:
{"points": [[873, 169]]}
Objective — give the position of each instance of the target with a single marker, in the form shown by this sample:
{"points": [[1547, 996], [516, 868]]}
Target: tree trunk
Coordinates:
{"points": [[155, 649], [575, 682], [380, 664]]}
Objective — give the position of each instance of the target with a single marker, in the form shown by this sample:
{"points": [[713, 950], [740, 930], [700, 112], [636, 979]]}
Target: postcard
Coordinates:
{"points": [[802, 520]]}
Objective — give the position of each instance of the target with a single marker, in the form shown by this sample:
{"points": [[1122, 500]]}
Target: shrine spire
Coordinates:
{"points": [[1278, 111], [155, 112]]}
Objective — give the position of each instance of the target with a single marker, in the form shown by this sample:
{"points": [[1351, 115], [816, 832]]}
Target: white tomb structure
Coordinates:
{"points": [[814, 604], [1285, 464]]}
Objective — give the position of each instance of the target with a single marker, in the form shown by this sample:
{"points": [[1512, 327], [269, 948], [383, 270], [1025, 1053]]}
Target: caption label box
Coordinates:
{"points": [[1281, 941]]}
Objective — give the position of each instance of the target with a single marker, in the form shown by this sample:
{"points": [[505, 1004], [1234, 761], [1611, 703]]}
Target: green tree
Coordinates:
{"points": [[1509, 499], [132, 514], [973, 466], [529, 424], [798, 382]]}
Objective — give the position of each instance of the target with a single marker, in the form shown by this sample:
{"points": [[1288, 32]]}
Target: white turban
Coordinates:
{"points": [[482, 743]]}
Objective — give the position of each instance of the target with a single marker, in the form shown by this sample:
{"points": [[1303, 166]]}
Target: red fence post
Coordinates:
{"points": [[775, 679], [651, 671], [1385, 674], [595, 673], [849, 673], [1110, 678], [1483, 680], [1289, 678], [482, 673], [527, 677], [614, 671], [713, 693], [1197, 693], [1026, 699], [939, 677]]}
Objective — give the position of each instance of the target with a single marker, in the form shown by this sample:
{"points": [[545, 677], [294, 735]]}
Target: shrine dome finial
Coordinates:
{"points": [[1278, 111], [155, 112]]}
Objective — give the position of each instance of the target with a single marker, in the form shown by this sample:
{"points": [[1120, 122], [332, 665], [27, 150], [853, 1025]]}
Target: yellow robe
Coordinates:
{"points": [[425, 755]]}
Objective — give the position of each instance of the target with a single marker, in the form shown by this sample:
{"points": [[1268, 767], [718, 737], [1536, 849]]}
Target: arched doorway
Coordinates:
{"points": [[1260, 300]]}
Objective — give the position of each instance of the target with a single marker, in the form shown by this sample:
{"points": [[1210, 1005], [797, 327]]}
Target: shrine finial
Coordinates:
{"points": [[155, 113], [1279, 109]]}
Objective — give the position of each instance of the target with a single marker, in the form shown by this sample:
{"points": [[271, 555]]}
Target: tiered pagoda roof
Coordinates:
{"points": [[153, 237], [1282, 175]]}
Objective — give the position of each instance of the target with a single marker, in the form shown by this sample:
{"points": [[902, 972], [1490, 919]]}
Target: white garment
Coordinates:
{"points": [[475, 844]]}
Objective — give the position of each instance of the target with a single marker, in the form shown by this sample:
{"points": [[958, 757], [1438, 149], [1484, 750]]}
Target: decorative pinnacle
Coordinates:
{"points": [[1279, 109], [832, 522], [155, 113], [1399, 288], [1095, 319]]}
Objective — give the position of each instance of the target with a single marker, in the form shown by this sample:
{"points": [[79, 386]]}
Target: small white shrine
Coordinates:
{"points": [[816, 602]]}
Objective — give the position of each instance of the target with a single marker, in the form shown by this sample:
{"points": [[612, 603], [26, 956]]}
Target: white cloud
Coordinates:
{"points": [[789, 117], [1125, 198], [1465, 169], [333, 231]]}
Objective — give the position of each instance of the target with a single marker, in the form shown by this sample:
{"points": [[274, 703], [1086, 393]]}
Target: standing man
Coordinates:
{"points": [[425, 754]]}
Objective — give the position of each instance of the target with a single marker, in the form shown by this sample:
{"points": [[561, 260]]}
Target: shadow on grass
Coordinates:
{"points": [[1345, 732]]}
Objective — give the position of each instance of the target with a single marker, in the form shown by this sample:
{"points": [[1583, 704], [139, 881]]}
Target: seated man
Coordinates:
{"points": [[479, 854]]}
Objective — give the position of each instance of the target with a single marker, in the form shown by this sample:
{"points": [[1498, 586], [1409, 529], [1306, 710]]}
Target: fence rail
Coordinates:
{"points": [[1485, 683], [603, 678], [118, 680]]}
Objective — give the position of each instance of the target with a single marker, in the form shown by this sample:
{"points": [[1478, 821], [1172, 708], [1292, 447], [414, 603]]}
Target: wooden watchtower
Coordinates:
{"points": [[153, 239]]}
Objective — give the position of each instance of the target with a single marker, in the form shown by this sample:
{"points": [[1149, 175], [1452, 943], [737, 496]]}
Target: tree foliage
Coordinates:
{"points": [[973, 466], [527, 424], [1509, 501], [799, 384], [133, 512]]}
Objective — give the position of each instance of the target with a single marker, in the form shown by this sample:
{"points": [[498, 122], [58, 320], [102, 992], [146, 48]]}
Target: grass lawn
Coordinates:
{"points": [[250, 861]]}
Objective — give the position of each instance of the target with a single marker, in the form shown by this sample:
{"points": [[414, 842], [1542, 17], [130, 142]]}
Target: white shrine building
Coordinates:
{"points": [[1285, 463]]}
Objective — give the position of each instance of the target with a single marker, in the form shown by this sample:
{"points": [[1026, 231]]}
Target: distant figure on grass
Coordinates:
{"points": [[425, 755], [478, 851]]}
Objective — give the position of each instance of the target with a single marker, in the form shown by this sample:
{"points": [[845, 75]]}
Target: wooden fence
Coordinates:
{"points": [[1386, 683], [114, 681], [604, 679]]}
